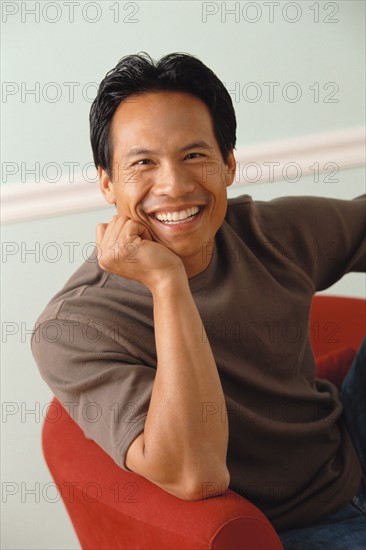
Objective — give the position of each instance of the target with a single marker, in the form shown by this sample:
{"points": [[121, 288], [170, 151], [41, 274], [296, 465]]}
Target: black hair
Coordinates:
{"points": [[136, 74]]}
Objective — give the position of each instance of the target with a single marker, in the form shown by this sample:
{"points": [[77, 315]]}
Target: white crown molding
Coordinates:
{"points": [[264, 162]]}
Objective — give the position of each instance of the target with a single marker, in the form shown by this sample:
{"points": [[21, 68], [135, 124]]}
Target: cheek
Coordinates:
{"points": [[220, 203], [130, 197]]}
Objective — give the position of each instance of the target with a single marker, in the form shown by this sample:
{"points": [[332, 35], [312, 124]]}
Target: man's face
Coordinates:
{"points": [[168, 172]]}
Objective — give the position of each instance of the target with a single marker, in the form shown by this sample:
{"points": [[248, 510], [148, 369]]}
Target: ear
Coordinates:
{"points": [[106, 186], [230, 169]]}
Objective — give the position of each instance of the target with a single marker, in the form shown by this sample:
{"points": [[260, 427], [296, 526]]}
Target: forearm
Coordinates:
{"points": [[182, 443]]}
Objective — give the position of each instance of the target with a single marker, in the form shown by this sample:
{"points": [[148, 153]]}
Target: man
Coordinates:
{"points": [[188, 327]]}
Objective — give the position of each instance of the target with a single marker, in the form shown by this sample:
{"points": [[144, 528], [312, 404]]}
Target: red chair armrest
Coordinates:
{"points": [[111, 508]]}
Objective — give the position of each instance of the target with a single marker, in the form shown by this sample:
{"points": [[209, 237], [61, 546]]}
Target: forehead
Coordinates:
{"points": [[157, 118]]}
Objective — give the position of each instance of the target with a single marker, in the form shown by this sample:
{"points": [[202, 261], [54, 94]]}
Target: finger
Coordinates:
{"points": [[114, 229], [139, 229], [147, 234], [100, 231], [133, 231]]}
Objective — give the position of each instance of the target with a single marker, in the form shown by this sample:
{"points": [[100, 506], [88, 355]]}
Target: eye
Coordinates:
{"points": [[194, 155], [141, 162]]}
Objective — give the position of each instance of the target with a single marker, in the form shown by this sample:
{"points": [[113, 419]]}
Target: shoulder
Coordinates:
{"points": [[95, 300], [240, 202], [295, 211], [85, 280], [246, 214], [246, 202]]}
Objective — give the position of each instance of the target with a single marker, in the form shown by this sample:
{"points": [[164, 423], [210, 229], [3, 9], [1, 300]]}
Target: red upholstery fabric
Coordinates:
{"points": [[337, 323], [114, 509]]}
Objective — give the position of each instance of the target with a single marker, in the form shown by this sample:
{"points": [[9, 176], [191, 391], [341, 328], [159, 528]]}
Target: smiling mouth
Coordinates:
{"points": [[179, 216]]}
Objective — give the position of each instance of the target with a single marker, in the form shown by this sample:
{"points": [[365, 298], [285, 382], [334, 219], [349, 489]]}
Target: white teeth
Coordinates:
{"points": [[177, 216]]}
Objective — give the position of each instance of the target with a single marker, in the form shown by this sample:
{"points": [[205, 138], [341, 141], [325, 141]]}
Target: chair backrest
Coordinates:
{"points": [[336, 322]]}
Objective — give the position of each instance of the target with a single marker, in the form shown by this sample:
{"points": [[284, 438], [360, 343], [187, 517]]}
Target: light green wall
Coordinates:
{"points": [[303, 52]]}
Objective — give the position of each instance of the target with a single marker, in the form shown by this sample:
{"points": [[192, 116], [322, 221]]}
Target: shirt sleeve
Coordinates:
{"points": [[325, 237], [103, 388]]}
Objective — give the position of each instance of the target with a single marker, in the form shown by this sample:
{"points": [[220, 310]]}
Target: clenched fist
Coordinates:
{"points": [[126, 248]]}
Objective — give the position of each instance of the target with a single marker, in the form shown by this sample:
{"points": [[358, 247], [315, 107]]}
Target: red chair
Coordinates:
{"points": [[113, 509]]}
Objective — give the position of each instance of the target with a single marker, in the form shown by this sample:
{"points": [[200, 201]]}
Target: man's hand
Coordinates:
{"points": [[126, 248]]}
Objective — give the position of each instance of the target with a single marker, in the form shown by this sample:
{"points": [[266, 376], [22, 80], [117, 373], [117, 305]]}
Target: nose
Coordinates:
{"points": [[172, 180]]}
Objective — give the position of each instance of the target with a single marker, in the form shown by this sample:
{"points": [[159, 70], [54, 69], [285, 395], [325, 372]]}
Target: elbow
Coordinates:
{"points": [[187, 486], [206, 487]]}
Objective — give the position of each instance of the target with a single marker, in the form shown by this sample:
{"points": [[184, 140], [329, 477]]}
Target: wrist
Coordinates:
{"points": [[174, 281]]}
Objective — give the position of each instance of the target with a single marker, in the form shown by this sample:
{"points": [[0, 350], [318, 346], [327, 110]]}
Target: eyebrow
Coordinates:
{"points": [[201, 144]]}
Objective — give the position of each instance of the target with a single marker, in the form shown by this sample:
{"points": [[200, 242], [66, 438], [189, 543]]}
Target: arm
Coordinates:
{"points": [[180, 449]]}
